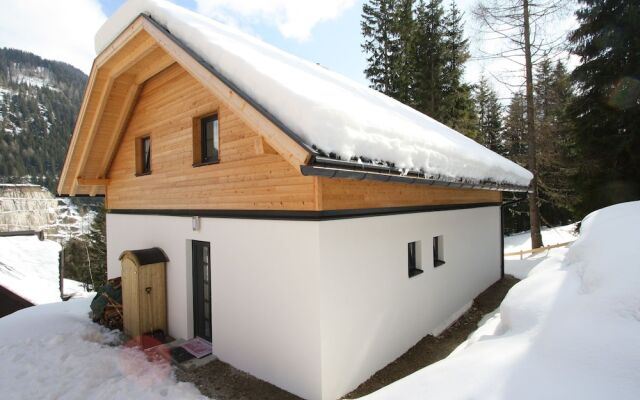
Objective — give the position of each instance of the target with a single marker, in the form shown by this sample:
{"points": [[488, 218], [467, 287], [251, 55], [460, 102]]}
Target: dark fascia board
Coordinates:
{"points": [[303, 215], [331, 168], [284, 128]]}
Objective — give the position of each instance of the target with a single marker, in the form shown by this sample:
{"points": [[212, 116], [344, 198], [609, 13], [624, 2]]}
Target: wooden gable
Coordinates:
{"points": [[140, 52], [250, 174]]}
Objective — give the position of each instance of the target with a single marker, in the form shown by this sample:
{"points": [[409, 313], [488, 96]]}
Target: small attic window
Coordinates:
{"points": [[206, 140], [143, 155], [414, 259], [438, 251]]}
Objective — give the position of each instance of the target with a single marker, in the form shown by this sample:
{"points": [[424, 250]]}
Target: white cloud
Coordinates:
{"points": [[294, 18], [58, 30]]}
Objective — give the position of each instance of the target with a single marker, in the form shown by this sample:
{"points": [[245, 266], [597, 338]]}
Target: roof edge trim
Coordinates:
{"points": [[331, 168]]}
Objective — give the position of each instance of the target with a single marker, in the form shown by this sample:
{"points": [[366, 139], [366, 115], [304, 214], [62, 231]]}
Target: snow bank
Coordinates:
{"points": [[550, 236], [571, 330], [522, 241], [324, 108], [54, 351], [29, 268]]}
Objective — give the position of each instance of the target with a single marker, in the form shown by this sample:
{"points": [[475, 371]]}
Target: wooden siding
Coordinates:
{"points": [[342, 194], [249, 175]]}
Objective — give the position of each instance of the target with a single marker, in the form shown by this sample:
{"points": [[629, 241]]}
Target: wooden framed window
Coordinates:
{"points": [[206, 139], [438, 251], [414, 250], [143, 155]]}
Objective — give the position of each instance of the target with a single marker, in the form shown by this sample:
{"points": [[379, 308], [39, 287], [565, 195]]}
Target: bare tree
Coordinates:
{"points": [[520, 25]]}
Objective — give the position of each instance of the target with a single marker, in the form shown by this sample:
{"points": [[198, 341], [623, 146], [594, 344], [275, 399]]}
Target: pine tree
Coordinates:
{"points": [[606, 111], [489, 112], [457, 103], [430, 57], [515, 148], [379, 44], [97, 245], [515, 133], [552, 96], [403, 61]]}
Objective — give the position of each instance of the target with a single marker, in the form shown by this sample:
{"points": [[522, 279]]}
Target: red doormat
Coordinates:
{"points": [[198, 347]]}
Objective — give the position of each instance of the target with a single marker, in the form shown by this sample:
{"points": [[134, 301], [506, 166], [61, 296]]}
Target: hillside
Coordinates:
{"points": [[39, 101]]}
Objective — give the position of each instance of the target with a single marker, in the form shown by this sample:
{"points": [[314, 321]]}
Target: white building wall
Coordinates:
{"points": [[318, 307], [265, 303], [372, 312]]}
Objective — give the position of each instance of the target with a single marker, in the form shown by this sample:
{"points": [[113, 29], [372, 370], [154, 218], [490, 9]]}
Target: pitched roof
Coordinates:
{"points": [[323, 110]]}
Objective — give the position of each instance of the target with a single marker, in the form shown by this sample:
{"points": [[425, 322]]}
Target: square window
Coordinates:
{"points": [[143, 155], [206, 139], [438, 251], [415, 258]]}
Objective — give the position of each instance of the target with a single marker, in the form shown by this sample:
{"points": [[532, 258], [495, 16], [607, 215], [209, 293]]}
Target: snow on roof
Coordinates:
{"points": [[323, 108], [29, 268], [571, 329]]}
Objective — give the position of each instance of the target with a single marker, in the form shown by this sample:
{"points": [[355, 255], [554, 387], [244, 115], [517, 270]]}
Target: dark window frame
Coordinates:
{"points": [[205, 157], [413, 261], [143, 155], [438, 251]]}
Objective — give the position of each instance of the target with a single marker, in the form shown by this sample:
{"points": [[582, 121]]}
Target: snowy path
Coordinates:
{"points": [[54, 351], [522, 241]]}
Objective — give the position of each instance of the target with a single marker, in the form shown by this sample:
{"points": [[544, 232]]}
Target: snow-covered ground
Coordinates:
{"points": [[570, 330], [522, 241], [29, 268], [54, 351]]}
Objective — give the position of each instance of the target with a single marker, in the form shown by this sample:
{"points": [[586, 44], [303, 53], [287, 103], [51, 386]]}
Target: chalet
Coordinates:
{"points": [[315, 229]]}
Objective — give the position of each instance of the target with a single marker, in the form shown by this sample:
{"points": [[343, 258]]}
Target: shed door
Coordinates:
{"points": [[202, 289]]}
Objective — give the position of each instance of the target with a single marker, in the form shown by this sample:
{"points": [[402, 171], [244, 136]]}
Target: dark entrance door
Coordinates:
{"points": [[201, 255]]}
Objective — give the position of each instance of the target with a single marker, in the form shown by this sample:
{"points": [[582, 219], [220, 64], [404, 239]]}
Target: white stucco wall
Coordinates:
{"points": [[265, 303], [317, 307], [372, 312]]}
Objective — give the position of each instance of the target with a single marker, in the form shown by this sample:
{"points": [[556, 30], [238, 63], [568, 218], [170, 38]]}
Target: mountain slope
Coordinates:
{"points": [[39, 101]]}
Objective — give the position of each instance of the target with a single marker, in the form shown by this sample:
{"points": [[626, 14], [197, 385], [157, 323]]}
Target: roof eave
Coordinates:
{"points": [[331, 168]]}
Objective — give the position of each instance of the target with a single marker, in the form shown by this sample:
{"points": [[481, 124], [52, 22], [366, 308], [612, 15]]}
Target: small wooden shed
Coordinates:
{"points": [[144, 291]]}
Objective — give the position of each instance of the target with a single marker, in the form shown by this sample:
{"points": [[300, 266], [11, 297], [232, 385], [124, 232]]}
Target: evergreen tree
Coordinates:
{"points": [[379, 44], [457, 102], [515, 148], [489, 112], [97, 243], [552, 96], [430, 58], [403, 75], [85, 256], [606, 111]]}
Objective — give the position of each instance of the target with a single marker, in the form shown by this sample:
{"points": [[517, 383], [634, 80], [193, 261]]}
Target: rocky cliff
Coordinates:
{"points": [[32, 207]]}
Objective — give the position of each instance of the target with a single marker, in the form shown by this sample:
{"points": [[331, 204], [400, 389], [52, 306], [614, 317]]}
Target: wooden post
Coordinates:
{"points": [[61, 272]]}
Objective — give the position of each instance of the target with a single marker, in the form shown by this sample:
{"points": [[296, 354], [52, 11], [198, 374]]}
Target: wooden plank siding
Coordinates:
{"points": [[343, 194], [247, 176]]}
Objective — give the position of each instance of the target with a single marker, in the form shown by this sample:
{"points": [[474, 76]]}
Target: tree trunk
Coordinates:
{"points": [[534, 212]]}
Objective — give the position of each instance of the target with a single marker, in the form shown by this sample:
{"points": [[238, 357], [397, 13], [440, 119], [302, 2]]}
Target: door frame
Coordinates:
{"points": [[199, 302]]}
